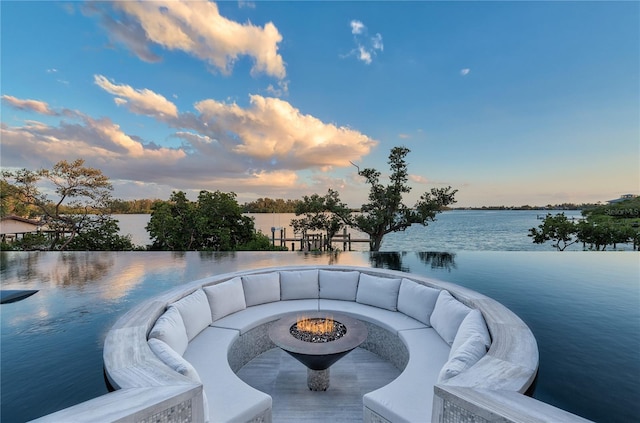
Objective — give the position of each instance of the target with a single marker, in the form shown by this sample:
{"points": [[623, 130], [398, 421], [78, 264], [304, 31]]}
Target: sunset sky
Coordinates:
{"points": [[511, 103]]}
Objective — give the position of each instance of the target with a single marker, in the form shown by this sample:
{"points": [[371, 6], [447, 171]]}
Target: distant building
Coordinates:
{"points": [[623, 197], [13, 227]]}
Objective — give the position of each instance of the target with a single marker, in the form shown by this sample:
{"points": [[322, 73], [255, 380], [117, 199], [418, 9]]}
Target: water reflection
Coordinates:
{"points": [[398, 261], [438, 260]]}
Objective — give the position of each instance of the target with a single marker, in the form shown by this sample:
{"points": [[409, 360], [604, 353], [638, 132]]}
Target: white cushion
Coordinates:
{"points": [[172, 359], [170, 329], [468, 354], [379, 292], [393, 321], [195, 312], [447, 316], [409, 397], [417, 300], [472, 324], [338, 285], [229, 398], [259, 314], [225, 298], [299, 285], [260, 289]]}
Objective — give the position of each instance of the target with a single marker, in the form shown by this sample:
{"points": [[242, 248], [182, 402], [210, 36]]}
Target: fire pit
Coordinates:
{"points": [[318, 340]]}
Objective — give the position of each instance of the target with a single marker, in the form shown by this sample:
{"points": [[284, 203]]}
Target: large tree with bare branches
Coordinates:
{"points": [[71, 198]]}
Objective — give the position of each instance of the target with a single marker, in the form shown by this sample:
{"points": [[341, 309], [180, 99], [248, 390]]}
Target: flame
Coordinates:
{"points": [[315, 325]]}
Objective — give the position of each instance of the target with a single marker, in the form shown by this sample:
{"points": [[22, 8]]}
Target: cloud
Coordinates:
{"points": [[404, 136], [29, 105], [418, 179], [264, 147], [272, 128], [357, 27], [366, 47], [145, 102], [281, 90], [246, 4], [196, 28], [465, 71]]}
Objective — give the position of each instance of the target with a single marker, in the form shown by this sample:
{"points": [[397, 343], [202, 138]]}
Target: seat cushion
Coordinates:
{"points": [[409, 398], [225, 298], [393, 321], [170, 329], [195, 312], [338, 285], [417, 300], [299, 285], [229, 398], [378, 292], [257, 315], [447, 316], [261, 288]]}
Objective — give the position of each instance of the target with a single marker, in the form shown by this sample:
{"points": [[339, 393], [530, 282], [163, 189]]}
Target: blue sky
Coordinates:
{"points": [[511, 103]]}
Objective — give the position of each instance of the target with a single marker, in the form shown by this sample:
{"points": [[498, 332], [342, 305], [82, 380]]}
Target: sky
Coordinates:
{"points": [[510, 103]]}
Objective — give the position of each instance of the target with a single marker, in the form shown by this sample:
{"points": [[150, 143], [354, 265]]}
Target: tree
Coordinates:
{"points": [[213, 223], [386, 212], [83, 195], [557, 228], [320, 214]]}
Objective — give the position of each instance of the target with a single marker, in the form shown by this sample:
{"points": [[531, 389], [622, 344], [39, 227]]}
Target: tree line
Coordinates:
{"points": [[601, 226], [78, 216]]}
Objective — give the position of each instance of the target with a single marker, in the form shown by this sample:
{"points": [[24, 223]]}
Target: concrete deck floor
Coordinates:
{"points": [[285, 379]]}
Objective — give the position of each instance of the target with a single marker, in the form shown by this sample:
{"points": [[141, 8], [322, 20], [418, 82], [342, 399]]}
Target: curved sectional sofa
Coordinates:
{"points": [[444, 338]]}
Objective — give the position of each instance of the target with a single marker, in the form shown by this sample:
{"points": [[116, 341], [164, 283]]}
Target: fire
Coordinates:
{"points": [[315, 325]]}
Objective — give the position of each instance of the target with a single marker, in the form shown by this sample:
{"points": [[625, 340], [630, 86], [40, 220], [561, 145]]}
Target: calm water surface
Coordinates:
{"points": [[456, 230], [583, 308]]}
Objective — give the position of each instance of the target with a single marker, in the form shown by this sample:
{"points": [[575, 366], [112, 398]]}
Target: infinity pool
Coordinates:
{"points": [[583, 308]]}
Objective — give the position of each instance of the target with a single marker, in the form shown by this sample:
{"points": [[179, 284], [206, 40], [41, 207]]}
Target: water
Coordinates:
{"points": [[583, 308], [456, 230]]}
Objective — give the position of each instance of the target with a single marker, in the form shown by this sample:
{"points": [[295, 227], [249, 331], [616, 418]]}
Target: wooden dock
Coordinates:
{"points": [[314, 242]]}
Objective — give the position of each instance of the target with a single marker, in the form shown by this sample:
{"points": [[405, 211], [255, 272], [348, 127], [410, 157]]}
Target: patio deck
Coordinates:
{"points": [[285, 379]]}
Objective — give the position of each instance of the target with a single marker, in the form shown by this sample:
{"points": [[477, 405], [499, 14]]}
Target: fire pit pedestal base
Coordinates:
{"points": [[318, 380], [318, 357]]}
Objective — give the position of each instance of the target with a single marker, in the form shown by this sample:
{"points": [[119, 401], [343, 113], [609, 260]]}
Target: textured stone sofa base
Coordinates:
{"points": [[408, 327]]}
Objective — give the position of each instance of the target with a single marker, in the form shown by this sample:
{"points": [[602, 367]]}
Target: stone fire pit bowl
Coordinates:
{"points": [[317, 356]]}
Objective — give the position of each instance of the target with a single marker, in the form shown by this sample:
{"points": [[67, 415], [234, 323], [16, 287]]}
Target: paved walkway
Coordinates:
{"points": [[285, 379]]}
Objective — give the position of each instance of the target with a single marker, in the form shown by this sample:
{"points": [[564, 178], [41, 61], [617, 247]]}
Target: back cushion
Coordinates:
{"points": [[378, 292], [260, 289], [338, 285], [225, 298], [471, 325], [180, 365], [172, 359], [195, 312], [417, 301], [297, 285], [468, 354], [447, 316], [170, 329]]}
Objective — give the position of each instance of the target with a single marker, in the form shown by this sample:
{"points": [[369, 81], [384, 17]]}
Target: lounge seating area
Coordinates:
{"points": [[447, 353], [196, 335], [201, 334]]}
